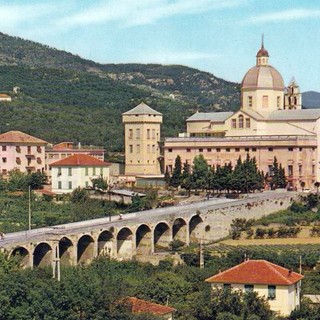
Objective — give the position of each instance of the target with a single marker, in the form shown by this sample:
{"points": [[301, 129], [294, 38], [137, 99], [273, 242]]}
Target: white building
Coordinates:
{"points": [[77, 171], [280, 286]]}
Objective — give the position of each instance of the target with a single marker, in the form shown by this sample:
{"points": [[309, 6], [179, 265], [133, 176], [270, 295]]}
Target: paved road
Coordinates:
{"points": [[142, 216]]}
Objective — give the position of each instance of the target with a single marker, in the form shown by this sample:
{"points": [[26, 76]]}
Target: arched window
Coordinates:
{"points": [[234, 123], [241, 122]]}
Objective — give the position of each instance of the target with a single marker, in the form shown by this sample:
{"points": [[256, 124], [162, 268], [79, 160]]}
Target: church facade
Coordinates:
{"points": [[270, 123]]}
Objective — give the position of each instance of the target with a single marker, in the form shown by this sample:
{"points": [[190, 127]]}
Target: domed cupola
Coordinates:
{"points": [[262, 87]]}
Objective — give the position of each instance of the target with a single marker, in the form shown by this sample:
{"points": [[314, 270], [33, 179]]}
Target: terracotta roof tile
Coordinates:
{"points": [[77, 160], [142, 306], [257, 272], [19, 137]]}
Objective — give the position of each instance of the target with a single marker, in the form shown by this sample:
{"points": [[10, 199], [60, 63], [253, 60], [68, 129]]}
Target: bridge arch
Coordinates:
{"points": [[105, 243], [143, 239], [180, 230], [125, 243], [161, 236], [23, 255], [195, 228], [66, 248], [85, 249], [42, 255]]}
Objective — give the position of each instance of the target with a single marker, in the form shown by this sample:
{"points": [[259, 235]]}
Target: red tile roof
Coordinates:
{"points": [[257, 272], [80, 160], [19, 137], [142, 306]]}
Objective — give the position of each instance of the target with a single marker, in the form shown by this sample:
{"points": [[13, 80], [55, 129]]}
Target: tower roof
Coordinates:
{"points": [[262, 52], [142, 109]]}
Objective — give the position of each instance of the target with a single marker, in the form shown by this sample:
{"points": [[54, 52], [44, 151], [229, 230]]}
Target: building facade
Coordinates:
{"points": [[280, 286], [270, 123], [66, 149], [142, 138], [22, 152], [76, 171]]}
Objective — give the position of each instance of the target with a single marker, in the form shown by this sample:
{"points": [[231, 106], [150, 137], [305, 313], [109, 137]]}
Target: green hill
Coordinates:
{"points": [[65, 97]]}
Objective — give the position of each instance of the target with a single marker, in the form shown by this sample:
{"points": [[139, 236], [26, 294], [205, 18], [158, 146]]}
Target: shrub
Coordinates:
{"points": [[260, 233], [249, 233], [298, 207]]}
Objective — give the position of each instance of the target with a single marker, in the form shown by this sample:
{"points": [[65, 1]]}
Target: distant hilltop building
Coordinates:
{"points": [[5, 97], [269, 123]]}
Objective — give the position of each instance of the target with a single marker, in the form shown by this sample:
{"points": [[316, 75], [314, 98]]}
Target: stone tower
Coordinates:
{"points": [[292, 97], [142, 137]]}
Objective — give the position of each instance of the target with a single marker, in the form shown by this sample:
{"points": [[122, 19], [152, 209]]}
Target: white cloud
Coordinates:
{"points": [[284, 16], [141, 12]]}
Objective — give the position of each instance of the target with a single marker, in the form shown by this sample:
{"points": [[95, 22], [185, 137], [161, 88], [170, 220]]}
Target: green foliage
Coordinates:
{"points": [[200, 173], [175, 179], [100, 183], [79, 195], [278, 177]]}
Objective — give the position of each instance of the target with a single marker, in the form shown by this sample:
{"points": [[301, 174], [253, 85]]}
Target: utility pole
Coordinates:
{"points": [[56, 273], [201, 259], [29, 211]]}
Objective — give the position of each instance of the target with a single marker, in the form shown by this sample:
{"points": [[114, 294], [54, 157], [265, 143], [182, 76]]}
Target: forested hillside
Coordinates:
{"points": [[65, 97]]}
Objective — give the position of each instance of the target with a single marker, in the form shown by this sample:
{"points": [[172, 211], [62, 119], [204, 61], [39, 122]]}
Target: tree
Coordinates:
{"points": [[79, 195], [175, 179], [100, 183], [278, 177], [167, 176], [186, 177], [36, 180], [200, 173]]}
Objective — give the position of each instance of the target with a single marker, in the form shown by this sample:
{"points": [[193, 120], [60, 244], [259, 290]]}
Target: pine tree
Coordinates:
{"points": [[175, 179], [200, 172]]}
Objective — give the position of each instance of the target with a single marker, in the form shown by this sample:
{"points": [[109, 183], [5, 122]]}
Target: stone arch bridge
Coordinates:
{"points": [[140, 233]]}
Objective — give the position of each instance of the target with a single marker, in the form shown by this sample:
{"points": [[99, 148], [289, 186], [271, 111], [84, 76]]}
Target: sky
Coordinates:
{"points": [[218, 36]]}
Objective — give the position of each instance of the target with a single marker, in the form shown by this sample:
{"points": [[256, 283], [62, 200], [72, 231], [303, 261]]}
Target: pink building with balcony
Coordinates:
{"points": [[21, 151]]}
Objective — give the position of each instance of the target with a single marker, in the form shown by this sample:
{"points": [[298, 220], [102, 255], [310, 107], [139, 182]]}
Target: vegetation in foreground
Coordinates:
{"points": [[94, 291]]}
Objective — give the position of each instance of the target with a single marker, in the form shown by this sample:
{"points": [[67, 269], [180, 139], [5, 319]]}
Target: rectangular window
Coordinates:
{"points": [[237, 149], [69, 171], [227, 149], [270, 149], [153, 133], [300, 149], [226, 286], [188, 150], [300, 169], [70, 185], [131, 148], [29, 149], [278, 102], [169, 150], [138, 133], [290, 149], [148, 134], [87, 184], [94, 171], [248, 288], [130, 134], [18, 160], [254, 149], [200, 150], [271, 292], [234, 123], [313, 169], [18, 149], [39, 149], [209, 150], [265, 102], [86, 171], [246, 149], [59, 172], [290, 170], [248, 123], [250, 101], [4, 148], [4, 160], [218, 149], [101, 171], [138, 148], [59, 185]]}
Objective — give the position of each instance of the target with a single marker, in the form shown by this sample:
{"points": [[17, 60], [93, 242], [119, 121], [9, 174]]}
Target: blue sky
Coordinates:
{"points": [[218, 36]]}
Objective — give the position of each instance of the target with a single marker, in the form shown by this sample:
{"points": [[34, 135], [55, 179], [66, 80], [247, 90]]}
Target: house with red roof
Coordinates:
{"points": [[280, 286], [76, 171], [21, 151], [142, 306]]}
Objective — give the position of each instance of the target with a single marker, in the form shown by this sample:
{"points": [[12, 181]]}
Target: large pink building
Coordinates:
{"points": [[21, 151], [269, 123]]}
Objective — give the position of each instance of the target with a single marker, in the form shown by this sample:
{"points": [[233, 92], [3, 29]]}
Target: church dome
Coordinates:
{"points": [[263, 77]]}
